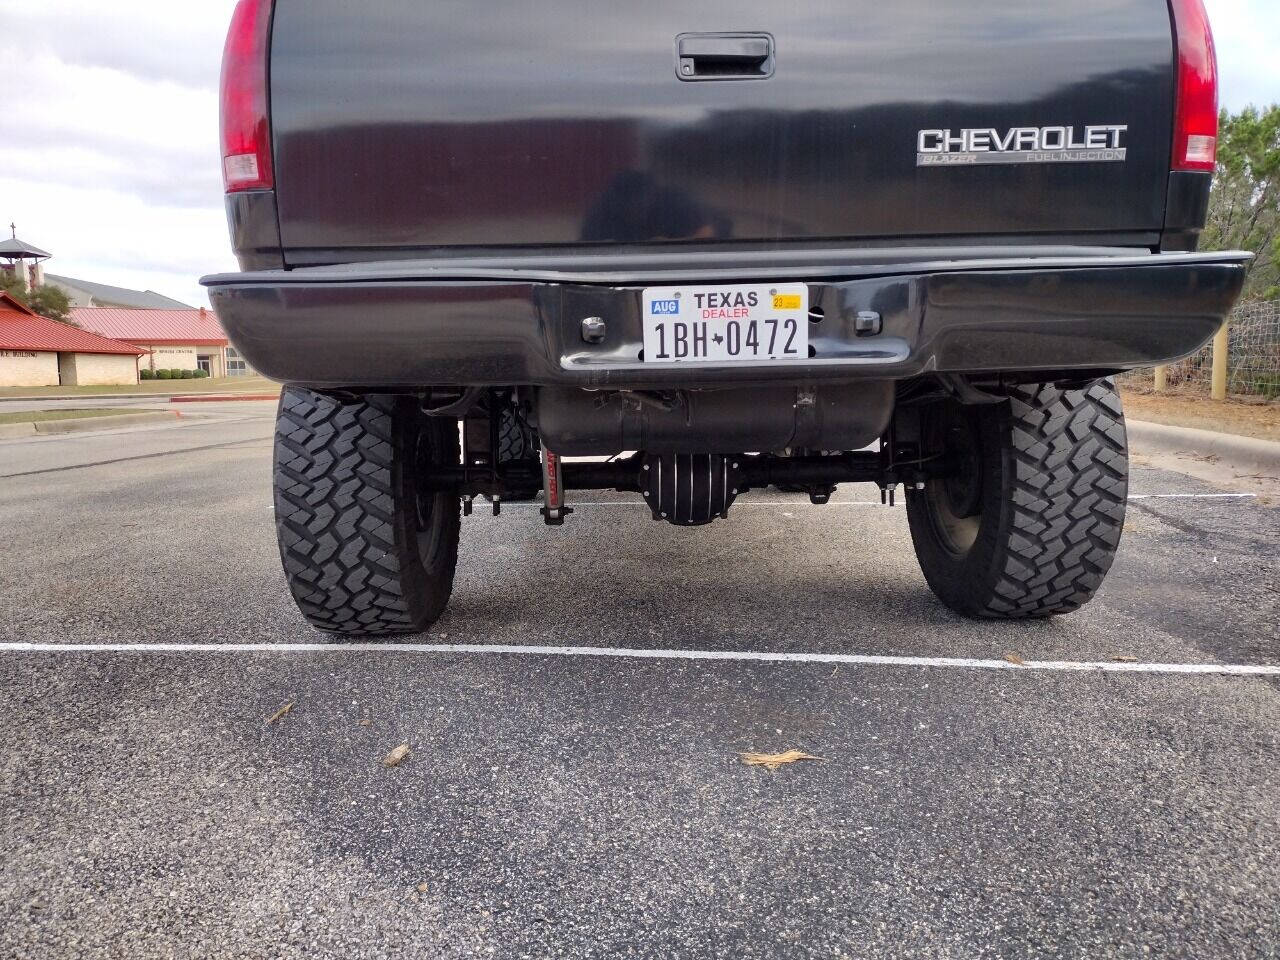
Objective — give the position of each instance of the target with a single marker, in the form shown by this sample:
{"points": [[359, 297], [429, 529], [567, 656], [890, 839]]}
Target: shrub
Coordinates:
{"points": [[201, 374], [147, 374], [164, 375], [175, 373], [1268, 384], [188, 375]]}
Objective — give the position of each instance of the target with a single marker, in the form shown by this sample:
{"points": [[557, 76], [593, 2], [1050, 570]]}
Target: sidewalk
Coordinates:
{"points": [[141, 396]]}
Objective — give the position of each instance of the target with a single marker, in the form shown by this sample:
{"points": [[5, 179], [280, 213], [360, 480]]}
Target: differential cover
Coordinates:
{"points": [[690, 489]]}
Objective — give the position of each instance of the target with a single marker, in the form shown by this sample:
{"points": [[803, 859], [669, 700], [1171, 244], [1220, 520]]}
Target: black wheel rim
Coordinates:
{"points": [[955, 501], [428, 505]]}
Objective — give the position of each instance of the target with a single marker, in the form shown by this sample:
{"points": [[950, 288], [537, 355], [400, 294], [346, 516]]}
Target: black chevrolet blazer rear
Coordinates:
{"points": [[727, 244]]}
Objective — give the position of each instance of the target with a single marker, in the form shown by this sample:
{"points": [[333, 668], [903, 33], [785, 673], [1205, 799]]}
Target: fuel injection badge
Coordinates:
{"points": [[976, 145]]}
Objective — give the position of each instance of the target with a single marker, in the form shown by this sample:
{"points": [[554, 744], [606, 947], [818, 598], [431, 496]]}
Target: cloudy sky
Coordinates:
{"points": [[108, 144]]}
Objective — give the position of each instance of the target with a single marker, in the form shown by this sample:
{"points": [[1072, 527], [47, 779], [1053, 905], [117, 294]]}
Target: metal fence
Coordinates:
{"points": [[1253, 357]]}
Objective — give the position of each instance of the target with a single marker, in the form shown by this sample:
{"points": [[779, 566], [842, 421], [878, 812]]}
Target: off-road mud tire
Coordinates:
{"points": [[365, 552], [1053, 471], [517, 442]]}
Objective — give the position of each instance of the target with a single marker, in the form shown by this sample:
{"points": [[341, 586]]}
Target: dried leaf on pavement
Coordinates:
{"points": [[1015, 658], [1125, 659], [772, 761], [423, 888], [282, 712], [396, 756]]}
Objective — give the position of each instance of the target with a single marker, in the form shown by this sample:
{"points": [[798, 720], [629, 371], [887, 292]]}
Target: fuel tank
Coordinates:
{"points": [[759, 418]]}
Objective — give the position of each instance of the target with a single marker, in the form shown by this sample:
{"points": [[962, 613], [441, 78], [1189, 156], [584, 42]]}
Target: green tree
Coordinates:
{"points": [[11, 282], [51, 302], [1244, 207], [45, 300]]}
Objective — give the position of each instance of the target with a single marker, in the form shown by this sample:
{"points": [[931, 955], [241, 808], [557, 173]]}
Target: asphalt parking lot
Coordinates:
{"points": [[594, 805]]}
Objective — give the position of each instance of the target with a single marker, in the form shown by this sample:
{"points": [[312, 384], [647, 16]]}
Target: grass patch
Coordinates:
{"points": [[207, 385], [39, 416]]}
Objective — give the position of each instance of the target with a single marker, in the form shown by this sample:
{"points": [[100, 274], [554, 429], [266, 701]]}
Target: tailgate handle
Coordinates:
{"points": [[724, 56]]}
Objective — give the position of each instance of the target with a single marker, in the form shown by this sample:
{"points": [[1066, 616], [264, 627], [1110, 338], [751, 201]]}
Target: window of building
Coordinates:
{"points": [[236, 367]]}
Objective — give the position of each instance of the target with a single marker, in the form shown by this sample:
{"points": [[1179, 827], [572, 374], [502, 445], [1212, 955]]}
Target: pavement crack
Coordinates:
{"points": [[144, 456], [1191, 529]]}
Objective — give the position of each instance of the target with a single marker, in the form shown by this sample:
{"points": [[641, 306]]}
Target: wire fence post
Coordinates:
{"points": [[1242, 358], [1218, 382]]}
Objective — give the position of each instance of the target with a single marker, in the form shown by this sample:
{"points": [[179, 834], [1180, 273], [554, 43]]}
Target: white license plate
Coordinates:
{"points": [[725, 324]]}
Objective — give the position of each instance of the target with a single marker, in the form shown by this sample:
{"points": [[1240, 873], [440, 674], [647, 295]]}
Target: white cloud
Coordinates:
{"points": [[108, 147], [117, 237], [90, 124], [176, 40], [109, 155], [1247, 36]]}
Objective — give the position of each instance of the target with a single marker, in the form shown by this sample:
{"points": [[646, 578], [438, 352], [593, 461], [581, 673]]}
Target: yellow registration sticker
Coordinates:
{"points": [[786, 301]]}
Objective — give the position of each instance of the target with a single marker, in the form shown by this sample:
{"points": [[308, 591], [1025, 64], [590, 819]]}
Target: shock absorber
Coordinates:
{"points": [[553, 511]]}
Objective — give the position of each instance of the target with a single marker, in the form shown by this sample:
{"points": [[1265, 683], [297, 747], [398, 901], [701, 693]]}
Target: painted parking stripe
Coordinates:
{"points": [[869, 660], [876, 503], [784, 504], [1193, 496]]}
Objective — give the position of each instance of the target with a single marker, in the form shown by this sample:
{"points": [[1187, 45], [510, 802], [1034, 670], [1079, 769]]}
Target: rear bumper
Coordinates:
{"points": [[480, 322]]}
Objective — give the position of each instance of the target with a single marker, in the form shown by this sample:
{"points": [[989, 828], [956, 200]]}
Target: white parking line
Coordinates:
{"points": [[784, 504], [874, 503], [643, 654], [1193, 496]]}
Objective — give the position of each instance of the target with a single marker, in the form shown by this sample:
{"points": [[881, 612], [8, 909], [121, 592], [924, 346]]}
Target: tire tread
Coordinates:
{"points": [[337, 499], [1062, 475], [1067, 499]]}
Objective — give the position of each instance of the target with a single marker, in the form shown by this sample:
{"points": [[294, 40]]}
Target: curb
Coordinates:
{"points": [[88, 424], [14, 431], [222, 397], [1245, 453], [86, 396], [159, 397]]}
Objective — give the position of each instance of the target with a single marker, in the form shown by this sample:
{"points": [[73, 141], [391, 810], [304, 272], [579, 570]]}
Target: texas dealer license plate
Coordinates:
{"points": [[768, 321]]}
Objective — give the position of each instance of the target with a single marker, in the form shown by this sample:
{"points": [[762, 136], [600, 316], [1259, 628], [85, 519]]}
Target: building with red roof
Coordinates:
{"points": [[165, 333], [172, 339], [38, 352]]}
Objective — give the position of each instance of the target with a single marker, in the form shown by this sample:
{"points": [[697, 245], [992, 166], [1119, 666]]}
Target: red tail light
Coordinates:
{"points": [[1195, 129], [246, 132]]}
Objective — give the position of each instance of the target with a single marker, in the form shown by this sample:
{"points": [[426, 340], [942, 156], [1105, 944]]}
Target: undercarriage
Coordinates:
{"points": [[1015, 492], [680, 486]]}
